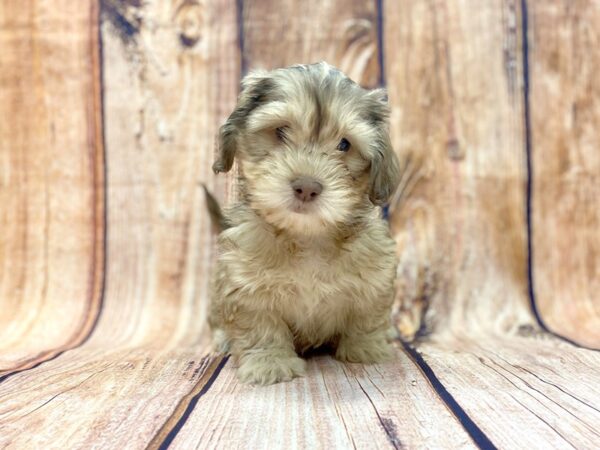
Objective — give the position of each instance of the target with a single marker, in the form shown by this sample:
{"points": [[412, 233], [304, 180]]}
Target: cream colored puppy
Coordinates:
{"points": [[305, 259]]}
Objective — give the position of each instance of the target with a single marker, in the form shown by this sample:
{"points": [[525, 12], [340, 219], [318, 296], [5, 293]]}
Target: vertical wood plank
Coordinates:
{"points": [[342, 33], [454, 73], [565, 152], [171, 72], [51, 179], [171, 76]]}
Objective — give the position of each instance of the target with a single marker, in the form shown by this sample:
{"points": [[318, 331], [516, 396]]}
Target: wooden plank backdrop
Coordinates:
{"points": [[51, 180], [109, 112], [565, 156], [458, 216]]}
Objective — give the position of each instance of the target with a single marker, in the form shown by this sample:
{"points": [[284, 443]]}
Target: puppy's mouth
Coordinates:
{"points": [[300, 207]]}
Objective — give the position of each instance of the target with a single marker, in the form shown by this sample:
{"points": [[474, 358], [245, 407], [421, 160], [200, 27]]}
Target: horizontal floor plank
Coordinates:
{"points": [[118, 399], [521, 392], [335, 406], [536, 392]]}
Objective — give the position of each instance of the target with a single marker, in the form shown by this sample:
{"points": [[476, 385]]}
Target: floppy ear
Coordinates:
{"points": [[385, 172], [255, 87]]}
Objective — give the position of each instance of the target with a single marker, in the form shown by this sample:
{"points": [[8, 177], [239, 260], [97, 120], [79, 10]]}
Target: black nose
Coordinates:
{"points": [[306, 189]]}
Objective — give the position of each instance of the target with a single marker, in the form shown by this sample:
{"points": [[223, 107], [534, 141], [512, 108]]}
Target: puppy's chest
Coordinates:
{"points": [[318, 298], [312, 272], [308, 280]]}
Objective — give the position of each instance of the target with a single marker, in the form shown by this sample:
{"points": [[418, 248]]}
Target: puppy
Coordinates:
{"points": [[305, 259]]}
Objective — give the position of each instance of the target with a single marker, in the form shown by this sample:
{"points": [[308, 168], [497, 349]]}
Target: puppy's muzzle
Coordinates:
{"points": [[306, 189]]}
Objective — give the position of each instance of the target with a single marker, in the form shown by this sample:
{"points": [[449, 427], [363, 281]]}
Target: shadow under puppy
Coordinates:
{"points": [[305, 259]]}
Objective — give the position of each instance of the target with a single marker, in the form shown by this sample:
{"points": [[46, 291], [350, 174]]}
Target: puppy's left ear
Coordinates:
{"points": [[255, 88], [385, 171]]}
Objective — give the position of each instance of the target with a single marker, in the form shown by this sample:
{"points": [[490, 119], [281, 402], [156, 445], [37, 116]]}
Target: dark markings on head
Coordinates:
{"points": [[323, 93], [257, 95], [251, 97], [318, 113], [375, 109]]}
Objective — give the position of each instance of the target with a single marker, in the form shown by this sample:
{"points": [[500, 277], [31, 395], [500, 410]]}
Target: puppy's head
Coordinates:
{"points": [[312, 145]]}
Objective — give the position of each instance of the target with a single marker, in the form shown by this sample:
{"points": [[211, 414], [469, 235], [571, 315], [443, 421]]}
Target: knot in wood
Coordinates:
{"points": [[455, 152], [188, 20]]}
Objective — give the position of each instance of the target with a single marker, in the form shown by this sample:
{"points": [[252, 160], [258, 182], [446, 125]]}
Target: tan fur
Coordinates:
{"points": [[293, 276]]}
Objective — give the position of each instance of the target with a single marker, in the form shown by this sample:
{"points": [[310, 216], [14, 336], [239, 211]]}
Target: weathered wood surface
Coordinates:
{"points": [[281, 33], [176, 66], [51, 178], [565, 149], [535, 392], [336, 406], [117, 399], [164, 98], [146, 376], [458, 125]]}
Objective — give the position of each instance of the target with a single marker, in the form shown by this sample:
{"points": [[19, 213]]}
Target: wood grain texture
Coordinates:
{"points": [[117, 399], [565, 151], [454, 72], [546, 396], [166, 90], [51, 179], [282, 33], [335, 406], [177, 66], [146, 377]]}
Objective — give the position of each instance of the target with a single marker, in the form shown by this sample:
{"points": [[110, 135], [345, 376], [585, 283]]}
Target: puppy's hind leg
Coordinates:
{"points": [[367, 346], [220, 341], [263, 346]]}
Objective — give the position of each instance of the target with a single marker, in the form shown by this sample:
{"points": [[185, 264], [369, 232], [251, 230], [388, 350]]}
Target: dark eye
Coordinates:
{"points": [[344, 145], [281, 133]]}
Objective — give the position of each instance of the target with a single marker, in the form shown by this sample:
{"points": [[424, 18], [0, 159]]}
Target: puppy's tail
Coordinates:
{"points": [[217, 218]]}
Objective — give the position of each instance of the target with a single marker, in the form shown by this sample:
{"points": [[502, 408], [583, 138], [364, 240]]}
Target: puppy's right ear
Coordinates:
{"points": [[255, 89]]}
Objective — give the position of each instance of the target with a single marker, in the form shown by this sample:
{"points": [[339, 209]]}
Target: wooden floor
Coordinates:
{"points": [[109, 115], [490, 393]]}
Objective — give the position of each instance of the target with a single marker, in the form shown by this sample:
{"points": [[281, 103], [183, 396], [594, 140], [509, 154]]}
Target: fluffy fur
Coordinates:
{"points": [[294, 275]]}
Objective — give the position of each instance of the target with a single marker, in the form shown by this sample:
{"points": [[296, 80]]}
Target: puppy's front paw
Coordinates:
{"points": [[364, 349], [266, 367]]}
